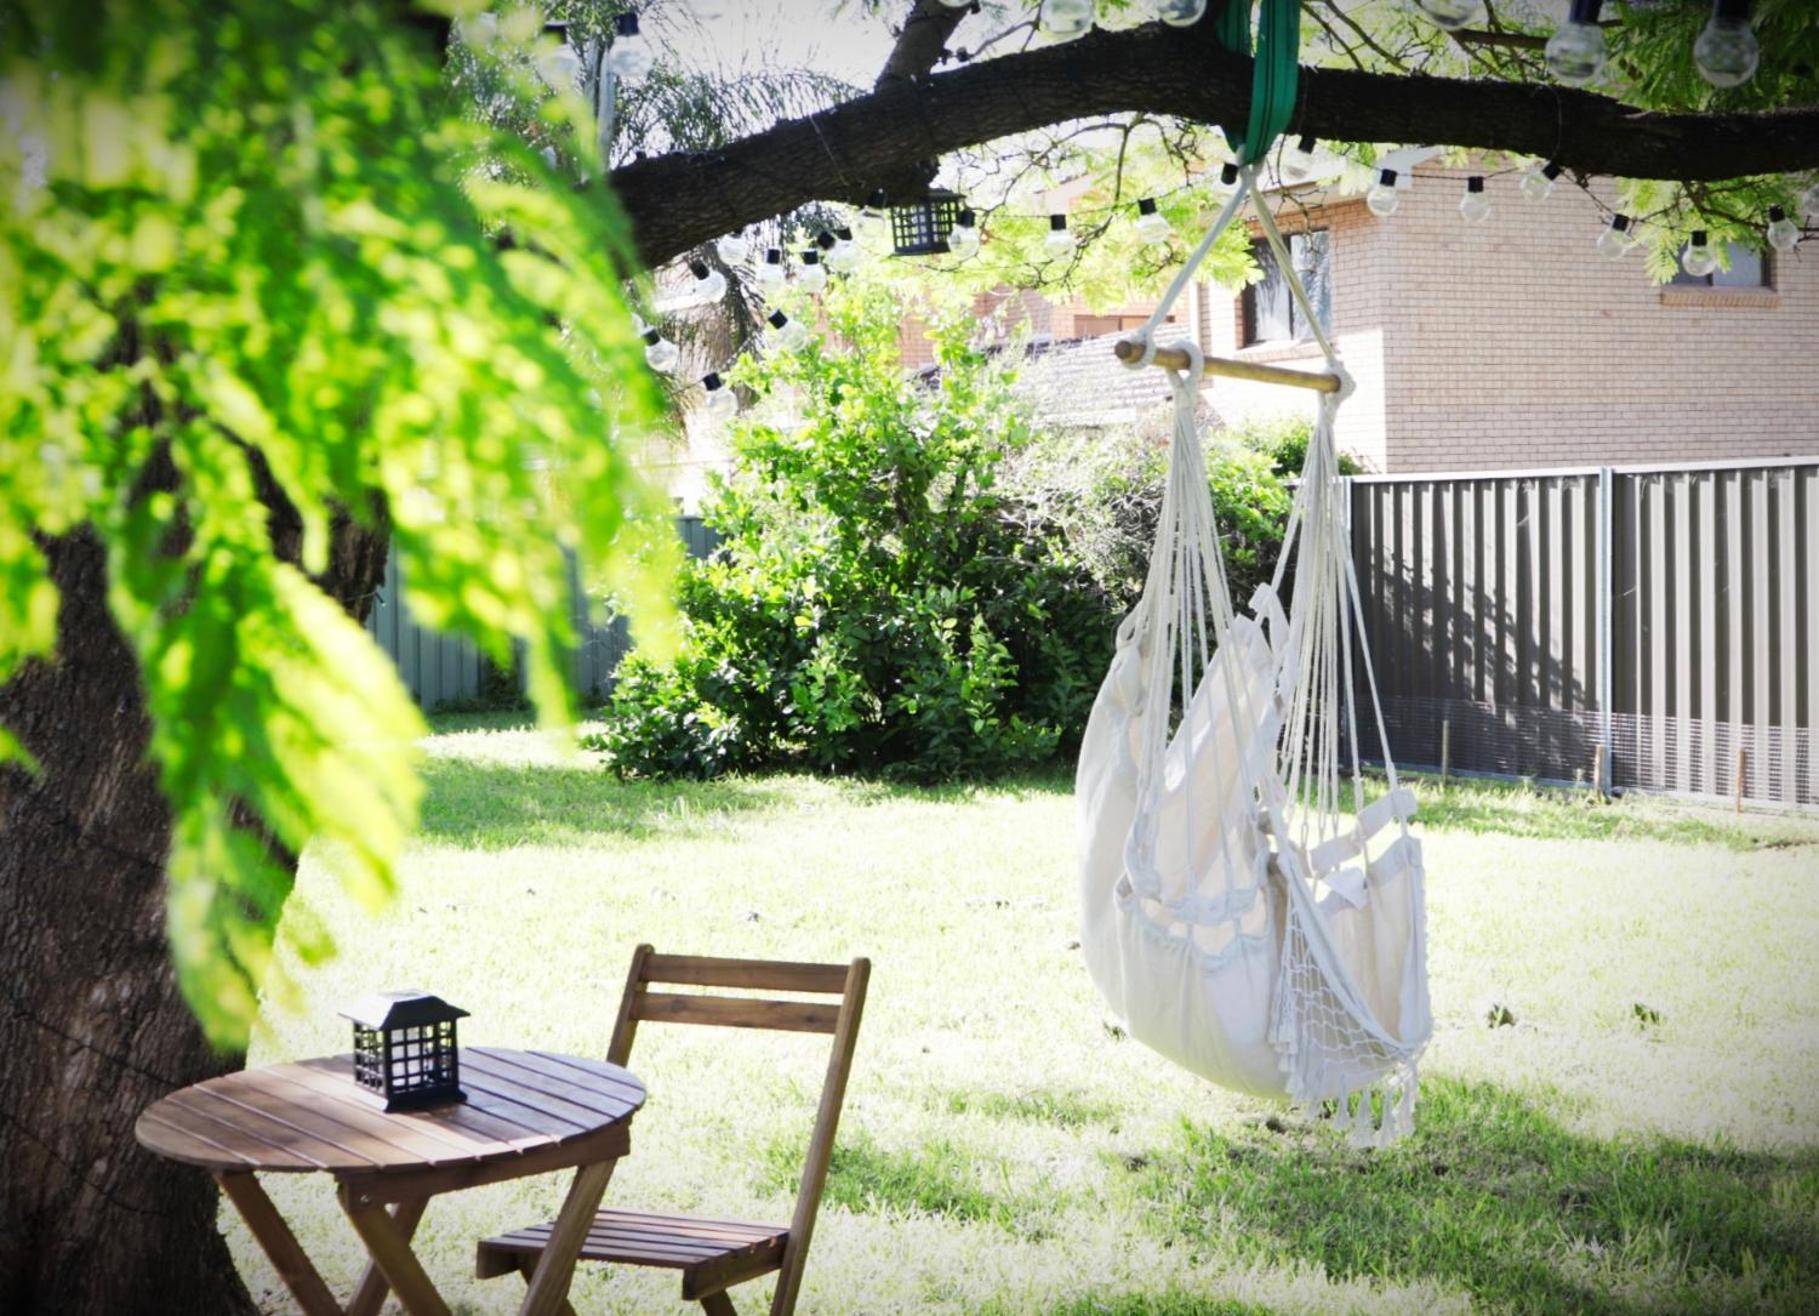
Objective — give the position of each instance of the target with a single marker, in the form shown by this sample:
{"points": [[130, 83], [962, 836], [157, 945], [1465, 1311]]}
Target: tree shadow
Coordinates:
{"points": [[491, 805], [1496, 1198]]}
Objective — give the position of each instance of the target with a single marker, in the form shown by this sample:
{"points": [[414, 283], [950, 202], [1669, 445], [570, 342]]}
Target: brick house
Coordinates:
{"points": [[1505, 344]]}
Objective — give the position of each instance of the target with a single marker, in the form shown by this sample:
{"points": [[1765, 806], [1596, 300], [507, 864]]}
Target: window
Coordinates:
{"points": [[1748, 270], [1097, 326], [1271, 314]]}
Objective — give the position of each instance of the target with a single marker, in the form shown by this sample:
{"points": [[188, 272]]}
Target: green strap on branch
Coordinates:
{"points": [[1276, 71]]}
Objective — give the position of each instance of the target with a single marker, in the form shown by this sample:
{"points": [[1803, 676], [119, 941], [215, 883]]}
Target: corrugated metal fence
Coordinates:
{"points": [[443, 669], [1522, 621]]}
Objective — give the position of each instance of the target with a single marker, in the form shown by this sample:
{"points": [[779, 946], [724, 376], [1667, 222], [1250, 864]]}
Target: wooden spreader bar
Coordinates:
{"points": [[1175, 359]]}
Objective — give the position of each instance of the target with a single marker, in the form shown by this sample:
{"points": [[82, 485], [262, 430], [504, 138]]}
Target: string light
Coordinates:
{"points": [[769, 274], [1180, 13], [720, 402], [1059, 241], [1575, 53], [710, 284], [660, 354], [1475, 206], [1697, 260], [1063, 20], [733, 248], [963, 237], [790, 334], [1151, 226], [1383, 197], [1452, 15], [630, 59], [1727, 51], [1782, 235], [1297, 161], [843, 254], [558, 65], [872, 222], [812, 277], [1538, 183], [1615, 240], [1227, 182]]}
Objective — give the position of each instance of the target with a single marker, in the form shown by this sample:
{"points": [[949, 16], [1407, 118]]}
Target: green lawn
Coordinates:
{"points": [[1643, 1137]]}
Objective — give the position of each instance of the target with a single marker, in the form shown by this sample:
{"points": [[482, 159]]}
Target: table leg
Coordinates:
{"points": [[288, 1258], [370, 1295], [556, 1266], [391, 1253]]}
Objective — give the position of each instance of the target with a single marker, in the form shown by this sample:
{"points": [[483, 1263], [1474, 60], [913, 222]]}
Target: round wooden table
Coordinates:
{"points": [[527, 1112]]}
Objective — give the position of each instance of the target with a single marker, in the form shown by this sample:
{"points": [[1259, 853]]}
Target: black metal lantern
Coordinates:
{"points": [[404, 1049], [920, 228]]}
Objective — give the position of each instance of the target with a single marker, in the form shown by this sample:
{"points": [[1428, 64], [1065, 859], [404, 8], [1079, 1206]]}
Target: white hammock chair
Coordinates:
{"points": [[1236, 919]]}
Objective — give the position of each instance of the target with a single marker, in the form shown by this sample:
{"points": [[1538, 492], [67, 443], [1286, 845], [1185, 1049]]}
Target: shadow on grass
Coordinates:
{"points": [[1493, 1197], [935, 1178]]}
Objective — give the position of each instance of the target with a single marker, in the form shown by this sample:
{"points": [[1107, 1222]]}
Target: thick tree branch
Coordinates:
{"points": [[842, 154], [921, 41]]}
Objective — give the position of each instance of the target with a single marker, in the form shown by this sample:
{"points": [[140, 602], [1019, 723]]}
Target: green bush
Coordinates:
{"points": [[878, 604]]}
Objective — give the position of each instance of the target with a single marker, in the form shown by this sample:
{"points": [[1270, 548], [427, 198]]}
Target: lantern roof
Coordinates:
{"points": [[406, 1009]]}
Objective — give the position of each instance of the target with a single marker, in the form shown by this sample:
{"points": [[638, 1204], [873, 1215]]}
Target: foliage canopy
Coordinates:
{"points": [[255, 262]]}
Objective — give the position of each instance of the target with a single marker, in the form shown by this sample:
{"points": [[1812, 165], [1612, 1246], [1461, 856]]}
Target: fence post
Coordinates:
{"points": [[1606, 604]]}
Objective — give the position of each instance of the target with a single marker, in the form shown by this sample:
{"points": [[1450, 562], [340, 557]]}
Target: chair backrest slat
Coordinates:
{"points": [[760, 975], [737, 1012]]}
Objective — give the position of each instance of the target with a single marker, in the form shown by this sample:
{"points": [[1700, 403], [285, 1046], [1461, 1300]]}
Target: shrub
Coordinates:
{"points": [[878, 602]]}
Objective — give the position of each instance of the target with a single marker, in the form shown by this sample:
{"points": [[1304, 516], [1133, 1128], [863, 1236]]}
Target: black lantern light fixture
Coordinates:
{"points": [[404, 1049], [920, 228]]}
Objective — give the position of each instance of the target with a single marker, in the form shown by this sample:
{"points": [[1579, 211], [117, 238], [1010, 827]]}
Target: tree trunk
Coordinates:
{"points": [[92, 1029]]}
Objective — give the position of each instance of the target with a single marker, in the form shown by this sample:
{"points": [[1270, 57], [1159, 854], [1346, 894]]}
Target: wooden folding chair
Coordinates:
{"points": [[713, 1255]]}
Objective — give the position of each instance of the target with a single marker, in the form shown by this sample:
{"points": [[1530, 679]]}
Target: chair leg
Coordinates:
{"points": [[527, 1266], [718, 1304]]}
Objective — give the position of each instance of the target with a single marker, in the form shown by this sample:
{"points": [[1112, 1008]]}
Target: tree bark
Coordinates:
{"points": [[678, 201], [92, 1027]]}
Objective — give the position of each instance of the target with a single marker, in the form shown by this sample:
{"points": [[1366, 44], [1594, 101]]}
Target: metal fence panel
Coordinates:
{"points": [[1520, 620], [441, 669]]}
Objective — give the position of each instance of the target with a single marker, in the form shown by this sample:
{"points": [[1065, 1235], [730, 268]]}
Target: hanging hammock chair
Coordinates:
{"points": [[1235, 915]]}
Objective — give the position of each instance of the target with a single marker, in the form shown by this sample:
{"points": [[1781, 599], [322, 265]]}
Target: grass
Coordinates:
{"points": [[1639, 1134]]}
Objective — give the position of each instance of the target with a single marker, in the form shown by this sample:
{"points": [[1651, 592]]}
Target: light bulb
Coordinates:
{"points": [[719, 401], [812, 277], [710, 284], [790, 334], [559, 66], [660, 354], [1575, 53], [872, 223], [963, 237], [1151, 227], [1727, 50], [1697, 260], [1063, 20], [1475, 205], [769, 274], [1782, 235], [1059, 241], [630, 58], [1452, 14], [1615, 240], [1383, 197], [733, 248], [1180, 13], [1297, 161], [1538, 182], [1227, 182], [845, 255]]}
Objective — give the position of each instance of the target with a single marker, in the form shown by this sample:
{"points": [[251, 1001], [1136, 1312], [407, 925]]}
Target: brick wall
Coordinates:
{"points": [[1512, 343]]}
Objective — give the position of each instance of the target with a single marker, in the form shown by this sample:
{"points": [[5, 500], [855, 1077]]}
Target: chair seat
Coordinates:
{"points": [[711, 1254]]}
